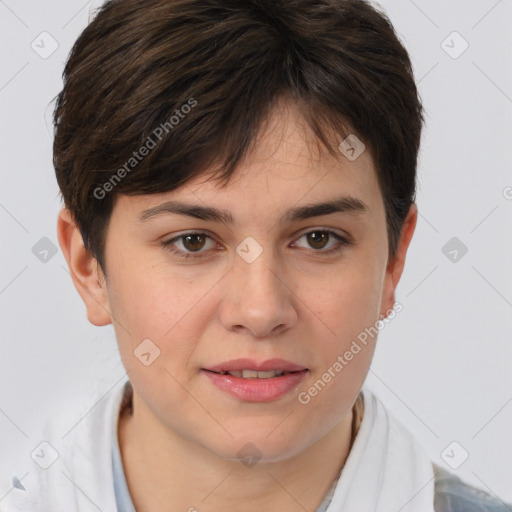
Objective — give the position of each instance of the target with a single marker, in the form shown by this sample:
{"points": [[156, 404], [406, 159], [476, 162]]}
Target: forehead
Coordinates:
{"points": [[286, 167]]}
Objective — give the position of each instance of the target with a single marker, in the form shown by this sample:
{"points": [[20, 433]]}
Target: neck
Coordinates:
{"points": [[163, 469]]}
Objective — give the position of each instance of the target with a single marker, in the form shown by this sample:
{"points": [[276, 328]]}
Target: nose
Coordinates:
{"points": [[257, 298]]}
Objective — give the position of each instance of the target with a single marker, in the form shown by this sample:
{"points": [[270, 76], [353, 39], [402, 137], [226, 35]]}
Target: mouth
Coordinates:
{"points": [[253, 381], [251, 369], [254, 374]]}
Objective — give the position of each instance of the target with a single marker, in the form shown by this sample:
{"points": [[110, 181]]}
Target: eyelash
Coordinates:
{"points": [[343, 242]]}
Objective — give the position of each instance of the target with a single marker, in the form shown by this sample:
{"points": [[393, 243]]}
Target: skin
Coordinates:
{"points": [[295, 302]]}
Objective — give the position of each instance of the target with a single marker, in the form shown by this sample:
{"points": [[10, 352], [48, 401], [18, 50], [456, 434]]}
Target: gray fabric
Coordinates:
{"points": [[123, 499], [454, 495]]}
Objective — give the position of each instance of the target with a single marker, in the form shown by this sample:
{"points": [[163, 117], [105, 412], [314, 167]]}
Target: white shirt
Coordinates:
{"points": [[386, 468]]}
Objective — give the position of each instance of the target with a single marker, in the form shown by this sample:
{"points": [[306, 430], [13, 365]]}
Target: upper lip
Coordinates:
{"points": [[279, 365]]}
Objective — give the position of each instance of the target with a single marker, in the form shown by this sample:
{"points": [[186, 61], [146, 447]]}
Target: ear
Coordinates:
{"points": [[85, 271], [396, 265]]}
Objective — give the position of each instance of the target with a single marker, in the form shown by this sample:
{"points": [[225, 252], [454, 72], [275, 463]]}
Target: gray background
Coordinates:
{"points": [[442, 366]]}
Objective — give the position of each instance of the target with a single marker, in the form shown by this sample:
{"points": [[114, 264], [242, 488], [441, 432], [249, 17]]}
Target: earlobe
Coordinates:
{"points": [[395, 267], [84, 269]]}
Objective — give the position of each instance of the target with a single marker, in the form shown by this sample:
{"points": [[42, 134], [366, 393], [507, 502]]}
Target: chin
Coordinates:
{"points": [[251, 449]]}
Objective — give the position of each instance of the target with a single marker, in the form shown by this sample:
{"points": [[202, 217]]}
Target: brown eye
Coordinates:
{"points": [[193, 242], [318, 239], [322, 241], [194, 245]]}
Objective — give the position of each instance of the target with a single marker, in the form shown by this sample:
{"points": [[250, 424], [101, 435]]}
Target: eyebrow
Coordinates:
{"points": [[345, 204]]}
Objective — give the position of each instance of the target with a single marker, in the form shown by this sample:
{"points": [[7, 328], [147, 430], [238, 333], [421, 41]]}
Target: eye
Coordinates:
{"points": [[319, 239], [191, 243]]}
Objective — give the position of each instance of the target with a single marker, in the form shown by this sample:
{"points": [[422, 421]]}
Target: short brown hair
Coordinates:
{"points": [[140, 62]]}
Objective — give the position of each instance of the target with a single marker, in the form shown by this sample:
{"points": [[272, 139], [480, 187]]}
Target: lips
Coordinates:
{"points": [[280, 366], [253, 381], [259, 389]]}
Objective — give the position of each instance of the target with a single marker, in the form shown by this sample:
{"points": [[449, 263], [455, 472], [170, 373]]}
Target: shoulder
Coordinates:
{"points": [[454, 495], [76, 454]]}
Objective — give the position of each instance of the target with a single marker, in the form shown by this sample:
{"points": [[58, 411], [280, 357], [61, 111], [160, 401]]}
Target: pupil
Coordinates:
{"points": [[316, 241]]}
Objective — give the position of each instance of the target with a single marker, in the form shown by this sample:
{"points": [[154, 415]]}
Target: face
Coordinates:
{"points": [[282, 287]]}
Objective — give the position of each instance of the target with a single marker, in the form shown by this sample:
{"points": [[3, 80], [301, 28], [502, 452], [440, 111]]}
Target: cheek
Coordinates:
{"points": [[345, 302], [345, 343], [348, 306], [153, 304]]}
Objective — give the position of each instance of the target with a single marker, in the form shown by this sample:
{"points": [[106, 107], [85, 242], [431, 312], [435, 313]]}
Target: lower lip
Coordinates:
{"points": [[256, 390]]}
